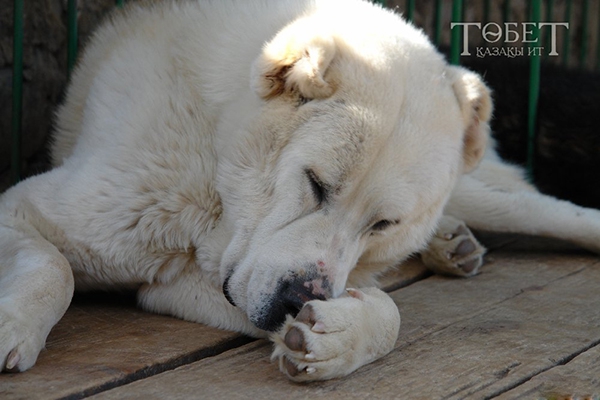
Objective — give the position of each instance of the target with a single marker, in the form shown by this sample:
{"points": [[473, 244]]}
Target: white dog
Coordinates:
{"points": [[242, 164]]}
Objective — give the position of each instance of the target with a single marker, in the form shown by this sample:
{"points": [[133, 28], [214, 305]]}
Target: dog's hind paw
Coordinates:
{"points": [[20, 345], [330, 339], [453, 250]]}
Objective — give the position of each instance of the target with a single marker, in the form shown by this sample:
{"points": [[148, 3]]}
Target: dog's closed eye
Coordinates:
{"points": [[318, 188], [302, 100], [384, 224]]}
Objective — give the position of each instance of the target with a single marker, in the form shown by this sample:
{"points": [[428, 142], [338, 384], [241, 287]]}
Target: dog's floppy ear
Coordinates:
{"points": [[475, 103], [295, 60]]}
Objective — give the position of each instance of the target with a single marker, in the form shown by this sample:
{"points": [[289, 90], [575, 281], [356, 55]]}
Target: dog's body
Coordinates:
{"points": [[205, 169]]}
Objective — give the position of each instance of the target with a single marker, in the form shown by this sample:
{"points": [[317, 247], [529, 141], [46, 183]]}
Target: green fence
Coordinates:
{"points": [[458, 8], [535, 16]]}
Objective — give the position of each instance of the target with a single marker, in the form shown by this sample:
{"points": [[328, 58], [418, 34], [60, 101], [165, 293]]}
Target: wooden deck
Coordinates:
{"points": [[527, 327]]}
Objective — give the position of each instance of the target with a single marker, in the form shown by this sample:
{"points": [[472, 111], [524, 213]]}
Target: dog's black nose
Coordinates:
{"points": [[289, 298]]}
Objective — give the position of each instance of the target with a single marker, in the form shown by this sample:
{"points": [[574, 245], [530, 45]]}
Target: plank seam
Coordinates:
{"points": [[169, 365], [559, 363]]}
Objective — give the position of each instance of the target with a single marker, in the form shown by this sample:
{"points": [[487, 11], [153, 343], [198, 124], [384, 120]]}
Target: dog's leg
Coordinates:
{"points": [[195, 297], [327, 339], [495, 198], [330, 339], [36, 282]]}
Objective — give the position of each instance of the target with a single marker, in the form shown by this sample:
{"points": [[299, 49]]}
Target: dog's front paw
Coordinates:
{"points": [[453, 250], [330, 339], [20, 344]]}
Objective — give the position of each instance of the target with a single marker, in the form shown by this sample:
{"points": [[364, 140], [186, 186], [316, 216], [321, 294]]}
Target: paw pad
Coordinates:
{"points": [[453, 250], [306, 315], [469, 266], [290, 368], [464, 248], [294, 340], [315, 345]]}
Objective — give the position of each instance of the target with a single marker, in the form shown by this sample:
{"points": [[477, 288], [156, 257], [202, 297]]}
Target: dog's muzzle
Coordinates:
{"points": [[289, 298]]}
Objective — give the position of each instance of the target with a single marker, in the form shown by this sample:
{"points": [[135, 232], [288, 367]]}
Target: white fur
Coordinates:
{"points": [[184, 154], [353, 330]]}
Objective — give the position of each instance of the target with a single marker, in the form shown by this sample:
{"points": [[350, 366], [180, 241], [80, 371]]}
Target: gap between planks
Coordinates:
{"points": [[409, 274], [471, 338], [104, 342]]}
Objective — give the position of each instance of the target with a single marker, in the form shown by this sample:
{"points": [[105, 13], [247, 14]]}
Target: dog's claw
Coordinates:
{"points": [[335, 344], [357, 294], [13, 359]]}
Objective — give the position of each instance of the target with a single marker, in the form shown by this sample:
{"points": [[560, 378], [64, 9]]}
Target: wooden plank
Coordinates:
{"points": [[519, 243], [413, 270], [437, 301], [100, 344], [95, 347], [104, 341], [578, 379], [507, 344], [460, 338]]}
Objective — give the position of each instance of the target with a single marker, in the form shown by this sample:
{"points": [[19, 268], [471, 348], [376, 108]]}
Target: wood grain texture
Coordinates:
{"points": [[577, 379], [104, 341], [100, 344], [460, 338]]}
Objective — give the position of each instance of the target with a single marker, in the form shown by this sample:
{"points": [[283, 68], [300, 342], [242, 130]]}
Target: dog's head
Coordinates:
{"points": [[346, 163]]}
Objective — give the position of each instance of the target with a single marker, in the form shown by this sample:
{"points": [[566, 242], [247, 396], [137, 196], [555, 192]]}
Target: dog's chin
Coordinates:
{"points": [[268, 317]]}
